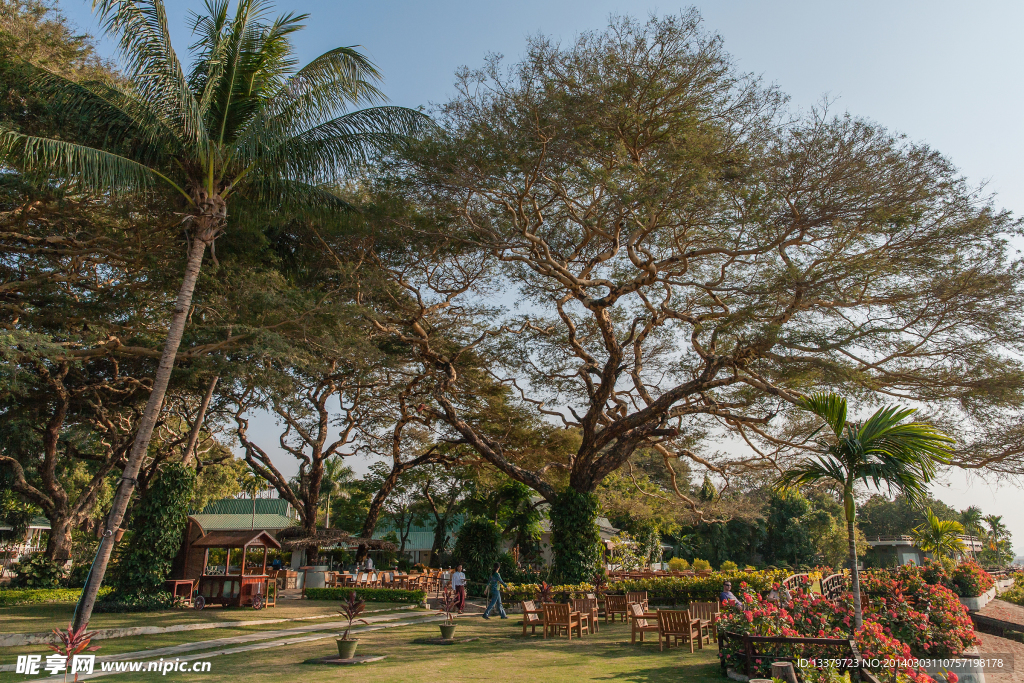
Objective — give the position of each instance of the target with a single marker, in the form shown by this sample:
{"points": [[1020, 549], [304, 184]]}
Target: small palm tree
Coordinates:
{"points": [[971, 519], [337, 479], [244, 127], [940, 537], [883, 450]]}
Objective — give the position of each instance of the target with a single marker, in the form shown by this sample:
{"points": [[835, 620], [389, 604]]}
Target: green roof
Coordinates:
{"points": [[243, 506], [264, 522]]}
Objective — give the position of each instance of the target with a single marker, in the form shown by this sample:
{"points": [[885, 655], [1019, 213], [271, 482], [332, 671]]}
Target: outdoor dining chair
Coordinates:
{"points": [[588, 606], [532, 617], [615, 604], [639, 624], [558, 616]]}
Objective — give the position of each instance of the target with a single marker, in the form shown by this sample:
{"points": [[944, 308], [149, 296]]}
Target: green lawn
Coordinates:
{"points": [[500, 654]]}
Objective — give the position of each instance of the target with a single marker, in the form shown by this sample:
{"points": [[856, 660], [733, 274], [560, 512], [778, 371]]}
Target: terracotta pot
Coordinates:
{"points": [[347, 648], [448, 631]]}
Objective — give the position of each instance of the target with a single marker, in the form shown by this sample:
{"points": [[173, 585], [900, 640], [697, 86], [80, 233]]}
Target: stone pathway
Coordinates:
{"points": [[1004, 611], [152, 655], [993, 645], [171, 650]]}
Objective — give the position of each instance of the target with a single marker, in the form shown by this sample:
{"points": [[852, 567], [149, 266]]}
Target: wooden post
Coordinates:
{"points": [[785, 671], [748, 648]]}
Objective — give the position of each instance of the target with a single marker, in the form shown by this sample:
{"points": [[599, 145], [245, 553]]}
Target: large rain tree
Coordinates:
{"points": [[881, 451], [687, 258], [243, 127]]}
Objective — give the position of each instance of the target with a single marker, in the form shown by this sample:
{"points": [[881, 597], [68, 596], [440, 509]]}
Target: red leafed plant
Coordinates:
{"points": [[544, 592], [449, 601], [73, 642], [351, 609]]}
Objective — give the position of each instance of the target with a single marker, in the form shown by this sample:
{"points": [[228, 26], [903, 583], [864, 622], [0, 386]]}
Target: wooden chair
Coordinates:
{"points": [[638, 623], [638, 597], [532, 617], [708, 613], [558, 616], [588, 607], [361, 580], [615, 604], [679, 625]]}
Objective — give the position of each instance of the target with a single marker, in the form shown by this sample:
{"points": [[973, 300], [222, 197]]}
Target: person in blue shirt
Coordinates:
{"points": [[727, 596], [494, 584]]}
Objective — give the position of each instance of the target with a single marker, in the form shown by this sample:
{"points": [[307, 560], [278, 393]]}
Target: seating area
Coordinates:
{"points": [[695, 626], [432, 581]]}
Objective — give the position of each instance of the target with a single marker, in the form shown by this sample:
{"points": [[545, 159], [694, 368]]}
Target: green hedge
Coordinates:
{"points": [[661, 591], [367, 594], [35, 596], [686, 589]]}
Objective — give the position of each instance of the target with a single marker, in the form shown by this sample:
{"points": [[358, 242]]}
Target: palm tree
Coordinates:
{"points": [[971, 519], [337, 479], [939, 537], [882, 450], [243, 124]]}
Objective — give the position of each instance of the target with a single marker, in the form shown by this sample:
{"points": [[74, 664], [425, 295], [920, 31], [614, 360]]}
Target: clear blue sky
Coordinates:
{"points": [[944, 73]]}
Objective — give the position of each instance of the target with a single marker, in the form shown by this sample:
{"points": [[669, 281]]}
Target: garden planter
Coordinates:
{"points": [[347, 648], [448, 631], [975, 604]]}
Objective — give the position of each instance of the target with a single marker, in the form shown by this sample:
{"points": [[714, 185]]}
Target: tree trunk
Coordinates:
{"points": [[377, 504], [59, 544], [146, 425], [575, 540], [858, 615], [193, 436]]}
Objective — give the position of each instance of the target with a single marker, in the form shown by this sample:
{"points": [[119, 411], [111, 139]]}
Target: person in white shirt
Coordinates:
{"points": [[368, 564], [459, 584]]}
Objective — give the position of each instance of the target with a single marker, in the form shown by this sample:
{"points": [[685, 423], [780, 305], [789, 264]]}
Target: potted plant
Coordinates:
{"points": [[448, 604], [350, 609]]}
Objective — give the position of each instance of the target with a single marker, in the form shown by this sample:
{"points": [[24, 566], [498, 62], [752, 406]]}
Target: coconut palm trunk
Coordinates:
{"points": [[141, 444], [858, 613]]}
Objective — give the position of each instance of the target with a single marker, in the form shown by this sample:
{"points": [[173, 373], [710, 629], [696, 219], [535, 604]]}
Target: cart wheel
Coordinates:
{"points": [[198, 603], [257, 601]]}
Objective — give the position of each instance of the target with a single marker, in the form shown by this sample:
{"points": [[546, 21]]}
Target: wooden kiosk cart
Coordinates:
{"points": [[241, 584]]}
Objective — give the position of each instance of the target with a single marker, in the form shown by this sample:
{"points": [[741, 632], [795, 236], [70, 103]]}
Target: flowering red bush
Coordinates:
{"points": [[904, 616], [970, 580]]}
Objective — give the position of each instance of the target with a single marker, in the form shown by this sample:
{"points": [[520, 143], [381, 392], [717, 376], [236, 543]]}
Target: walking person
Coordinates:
{"points": [[494, 585], [459, 585]]}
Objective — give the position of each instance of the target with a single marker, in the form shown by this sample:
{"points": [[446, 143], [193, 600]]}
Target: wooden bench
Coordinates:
{"points": [[679, 625], [708, 613], [638, 597]]}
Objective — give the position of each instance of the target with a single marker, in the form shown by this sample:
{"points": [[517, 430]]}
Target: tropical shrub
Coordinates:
{"points": [[36, 596], [1015, 594], [478, 547], [153, 601], [514, 573], [728, 566], [367, 594], [678, 564], [700, 565], [37, 571], [970, 580], [157, 525]]}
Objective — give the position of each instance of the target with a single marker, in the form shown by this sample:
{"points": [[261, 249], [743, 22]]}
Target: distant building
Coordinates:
{"points": [[887, 551]]}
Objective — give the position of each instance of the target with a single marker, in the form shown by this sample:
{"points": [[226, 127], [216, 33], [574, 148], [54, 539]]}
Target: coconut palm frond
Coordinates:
{"points": [[140, 28], [829, 407]]}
